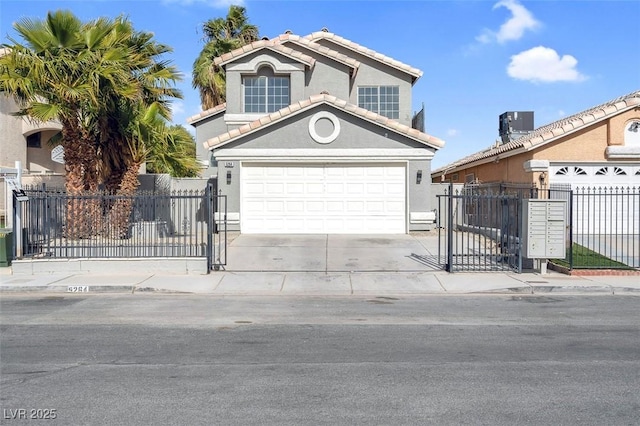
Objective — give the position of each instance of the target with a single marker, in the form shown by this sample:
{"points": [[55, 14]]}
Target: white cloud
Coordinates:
{"points": [[514, 28], [544, 65], [452, 132], [218, 4], [177, 108]]}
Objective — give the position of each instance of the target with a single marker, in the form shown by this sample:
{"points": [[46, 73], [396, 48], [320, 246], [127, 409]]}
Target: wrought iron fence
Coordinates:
{"points": [[480, 227], [604, 226], [174, 224], [479, 230]]}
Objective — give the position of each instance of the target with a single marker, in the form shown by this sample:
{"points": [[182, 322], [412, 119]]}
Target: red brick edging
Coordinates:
{"points": [[592, 272]]}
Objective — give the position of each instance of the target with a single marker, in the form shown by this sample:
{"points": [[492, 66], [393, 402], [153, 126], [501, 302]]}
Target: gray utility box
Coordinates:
{"points": [[544, 224]]}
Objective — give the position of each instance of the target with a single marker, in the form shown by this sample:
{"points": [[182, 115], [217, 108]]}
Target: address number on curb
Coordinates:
{"points": [[78, 289]]}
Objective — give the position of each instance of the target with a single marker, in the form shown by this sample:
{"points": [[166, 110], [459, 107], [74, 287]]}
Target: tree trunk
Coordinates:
{"points": [[81, 180], [117, 223]]}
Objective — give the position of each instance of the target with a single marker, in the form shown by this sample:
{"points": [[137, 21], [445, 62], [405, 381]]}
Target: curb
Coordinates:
{"points": [[572, 289], [100, 289], [529, 290]]}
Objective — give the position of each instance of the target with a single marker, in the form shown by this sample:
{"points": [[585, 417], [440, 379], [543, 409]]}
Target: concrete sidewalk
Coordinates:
{"points": [[225, 283], [301, 265]]}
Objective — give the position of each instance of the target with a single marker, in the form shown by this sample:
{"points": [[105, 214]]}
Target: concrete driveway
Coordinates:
{"points": [[333, 253]]}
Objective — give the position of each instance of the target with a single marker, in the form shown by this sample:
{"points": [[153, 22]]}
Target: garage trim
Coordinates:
{"points": [[323, 155]]}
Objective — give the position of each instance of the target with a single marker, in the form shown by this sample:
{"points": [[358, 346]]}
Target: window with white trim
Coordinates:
{"points": [[384, 100], [265, 94]]}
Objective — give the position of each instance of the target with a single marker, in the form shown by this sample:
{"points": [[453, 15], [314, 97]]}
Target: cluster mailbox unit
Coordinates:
{"points": [[544, 224]]}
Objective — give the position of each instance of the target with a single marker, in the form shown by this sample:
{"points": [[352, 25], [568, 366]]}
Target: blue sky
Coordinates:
{"points": [[479, 58]]}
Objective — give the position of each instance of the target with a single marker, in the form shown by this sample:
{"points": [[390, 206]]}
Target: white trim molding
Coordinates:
{"points": [[233, 218], [330, 155], [623, 152], [258, 61], [231, 119], [536, 166], [312, 127], [422, 217]]}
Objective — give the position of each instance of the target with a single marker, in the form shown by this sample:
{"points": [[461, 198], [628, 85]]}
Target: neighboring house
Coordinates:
{"points": [[316, 138], [26, 142], [599, 147]]}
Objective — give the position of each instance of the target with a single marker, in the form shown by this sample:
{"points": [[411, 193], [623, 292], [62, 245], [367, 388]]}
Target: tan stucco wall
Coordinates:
{"points": [[12, 144], [586, 145], [619, 123], [39, 159], [508, 169]]}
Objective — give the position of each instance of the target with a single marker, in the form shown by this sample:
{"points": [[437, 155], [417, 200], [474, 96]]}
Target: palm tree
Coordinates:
{"points": [[154, 85], [88, 77], [174, 153], [166, 149], [53, 76], [222, 35]]}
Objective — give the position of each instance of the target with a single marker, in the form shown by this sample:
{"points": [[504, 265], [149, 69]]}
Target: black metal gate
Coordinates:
{"points": [[218, 237], [479, 230]]}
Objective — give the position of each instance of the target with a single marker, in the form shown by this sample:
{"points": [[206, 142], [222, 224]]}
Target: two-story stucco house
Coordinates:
{"points": [[316, 137]]}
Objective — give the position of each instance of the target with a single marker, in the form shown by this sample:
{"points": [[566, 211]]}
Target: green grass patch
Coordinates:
{"points": [[584, 258]]}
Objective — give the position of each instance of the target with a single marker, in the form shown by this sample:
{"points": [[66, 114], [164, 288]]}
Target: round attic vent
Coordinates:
{"points": [[324, 127], [325, 30], [288, 32], [265, 38]]}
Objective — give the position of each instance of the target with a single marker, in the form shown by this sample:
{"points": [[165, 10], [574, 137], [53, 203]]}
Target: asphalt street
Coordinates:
{"points": [[185, 359]]}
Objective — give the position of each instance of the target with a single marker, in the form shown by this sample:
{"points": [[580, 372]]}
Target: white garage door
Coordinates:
{"points": [[323, 199]]}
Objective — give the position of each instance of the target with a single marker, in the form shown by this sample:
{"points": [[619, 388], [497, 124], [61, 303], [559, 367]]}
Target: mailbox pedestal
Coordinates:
{"points": [[544, 224]]}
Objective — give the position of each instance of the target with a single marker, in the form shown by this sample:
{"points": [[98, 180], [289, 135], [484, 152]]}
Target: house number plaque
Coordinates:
{"points": [[228, 164]]}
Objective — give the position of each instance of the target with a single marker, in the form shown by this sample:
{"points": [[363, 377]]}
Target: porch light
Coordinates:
{"points": [[542, 178], [419, 177], [229, 177]]}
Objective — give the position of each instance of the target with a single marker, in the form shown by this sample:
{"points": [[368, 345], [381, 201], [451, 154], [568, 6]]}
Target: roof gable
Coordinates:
{"points": [[322, 50], [208, 113], [272, 45], [355, 47], [277, 45], [312, 102], [550, 132]]}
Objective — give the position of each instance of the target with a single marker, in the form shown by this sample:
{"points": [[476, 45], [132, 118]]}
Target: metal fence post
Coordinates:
{"points": [[210, 226], [449, 266], [570, 230], [17, 227]]}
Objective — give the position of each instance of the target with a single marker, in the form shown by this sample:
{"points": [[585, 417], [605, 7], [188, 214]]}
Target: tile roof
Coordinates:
{"points": [[315, 100], [323, 50], [277, 44], [204, 114], [274, 45], [550, 132], [319, 35]]}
